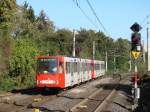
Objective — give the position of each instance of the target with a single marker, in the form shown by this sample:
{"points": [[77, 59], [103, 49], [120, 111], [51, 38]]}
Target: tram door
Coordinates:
{"points": [[75, 74], [69, 74], [83, 72], [72, 73], [79, 72]]}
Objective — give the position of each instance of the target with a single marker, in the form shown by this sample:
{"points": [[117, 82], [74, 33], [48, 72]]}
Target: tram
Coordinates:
{"points": [[63, 72]]}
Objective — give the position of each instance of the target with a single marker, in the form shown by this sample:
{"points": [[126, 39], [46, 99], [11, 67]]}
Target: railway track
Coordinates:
{"points": [[96, 101], [100, 99]]}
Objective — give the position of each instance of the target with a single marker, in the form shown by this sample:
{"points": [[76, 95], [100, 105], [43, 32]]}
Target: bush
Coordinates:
{"points": [[22, 66]]}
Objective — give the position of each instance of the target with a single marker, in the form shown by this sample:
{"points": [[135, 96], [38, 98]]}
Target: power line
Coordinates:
{"points": [[145, 19], [77, 4], [97, 17], [145, 25]]}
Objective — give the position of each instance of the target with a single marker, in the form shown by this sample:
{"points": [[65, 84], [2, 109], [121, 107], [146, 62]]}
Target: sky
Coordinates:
{"points": [[116, 15]]}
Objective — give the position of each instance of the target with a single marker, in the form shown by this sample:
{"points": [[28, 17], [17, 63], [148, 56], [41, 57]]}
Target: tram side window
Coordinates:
{"points": [[97, 66], [86, 66], [68, 67], [60, 68], [89, 67], [102, 66], [78, 67], [72, 67], [94, 66], [75, 66], [83, 67]]}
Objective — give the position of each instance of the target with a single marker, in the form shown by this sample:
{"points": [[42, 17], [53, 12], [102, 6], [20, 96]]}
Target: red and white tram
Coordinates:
{"points": [[62, 72]]}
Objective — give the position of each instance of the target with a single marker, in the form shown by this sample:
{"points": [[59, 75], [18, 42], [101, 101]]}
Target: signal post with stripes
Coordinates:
{"points": [[136, 50]]}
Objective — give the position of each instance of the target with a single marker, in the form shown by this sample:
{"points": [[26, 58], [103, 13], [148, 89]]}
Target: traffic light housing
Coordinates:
{"points": [[136, 42], [136, 27]]}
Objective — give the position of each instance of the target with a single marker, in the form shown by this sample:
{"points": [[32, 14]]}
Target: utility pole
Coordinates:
{"points": [[130, 62], [114, 62], [93, 50], [106, 58], [143, 51], [148, 49], [74, 39]]}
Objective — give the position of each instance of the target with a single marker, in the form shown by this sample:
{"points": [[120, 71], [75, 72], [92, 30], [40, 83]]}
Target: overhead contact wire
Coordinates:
{"points": [[77, 4], [94, 12]]}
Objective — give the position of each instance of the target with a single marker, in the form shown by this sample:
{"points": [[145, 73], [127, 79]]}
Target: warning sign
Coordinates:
{"points": [[135, 54]]}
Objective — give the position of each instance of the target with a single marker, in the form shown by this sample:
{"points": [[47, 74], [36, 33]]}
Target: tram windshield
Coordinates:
{"points": [[47, 66]]}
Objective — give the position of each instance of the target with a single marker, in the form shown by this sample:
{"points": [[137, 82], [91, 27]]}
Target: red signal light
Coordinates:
{"points": [[136, 38], [135, 41]]}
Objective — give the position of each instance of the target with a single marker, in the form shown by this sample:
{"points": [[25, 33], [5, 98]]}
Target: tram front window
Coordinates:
{"points": [[47, 66]]}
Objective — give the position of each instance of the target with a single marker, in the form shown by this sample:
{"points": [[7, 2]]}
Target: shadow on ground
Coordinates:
{"points": [[43, 109], [123, 88], [119, 87], [37, 91]]}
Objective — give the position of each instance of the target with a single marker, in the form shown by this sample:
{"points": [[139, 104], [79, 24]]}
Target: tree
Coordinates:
{"points": [[6, 49], [30, 14], [43, 22], [123, 50], [64, 39], [7, 7], [22, 63]]}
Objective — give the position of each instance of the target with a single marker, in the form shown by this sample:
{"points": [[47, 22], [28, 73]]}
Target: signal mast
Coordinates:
{"points": [[136, 50]]}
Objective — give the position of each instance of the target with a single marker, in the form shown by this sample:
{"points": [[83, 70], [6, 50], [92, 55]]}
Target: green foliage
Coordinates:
{"points": [[22, 63], [7, 84], [44, 24], [30, 14], [23, 57], [7, 7], [6, 49]]}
